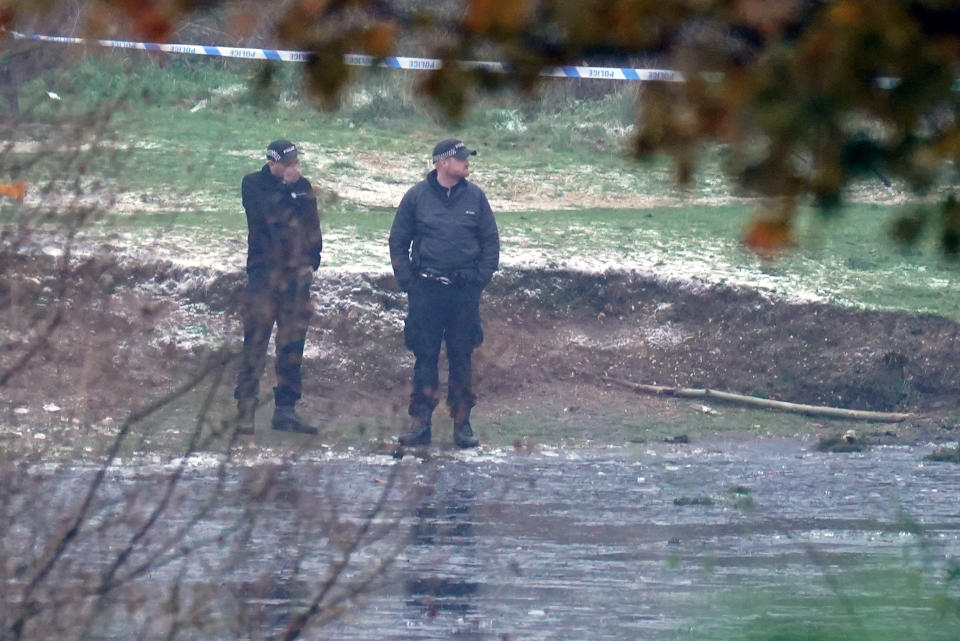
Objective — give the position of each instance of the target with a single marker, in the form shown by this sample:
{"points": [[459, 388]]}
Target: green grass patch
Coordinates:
{"points": [[182, 134], [875, 600], [945, 455]]}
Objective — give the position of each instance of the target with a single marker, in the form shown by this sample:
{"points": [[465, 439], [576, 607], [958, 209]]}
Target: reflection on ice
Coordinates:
{"points": [[614, 543]]}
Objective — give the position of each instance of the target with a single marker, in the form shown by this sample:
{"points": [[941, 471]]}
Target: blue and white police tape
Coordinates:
{"points": [[392, 62], [200, 50]]}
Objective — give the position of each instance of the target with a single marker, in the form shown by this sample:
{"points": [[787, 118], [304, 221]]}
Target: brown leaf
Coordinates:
{"points": [[847, 13], [769, 17], [242, 23], [496, 16], [448, 88], [313, 7], [326, 72], [379, 40], [148, 20], [769, 237], [7, 16]]}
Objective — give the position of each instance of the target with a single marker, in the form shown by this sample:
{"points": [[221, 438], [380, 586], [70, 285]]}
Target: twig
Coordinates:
{"points": [[108, 581], [59, 548], [755, 401], [317, 606]]}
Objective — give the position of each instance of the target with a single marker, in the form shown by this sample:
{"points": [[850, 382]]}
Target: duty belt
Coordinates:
{"points": [[436, 276]]}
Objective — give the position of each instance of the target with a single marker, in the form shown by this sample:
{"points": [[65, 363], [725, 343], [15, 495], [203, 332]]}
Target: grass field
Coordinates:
{"points": [[157, 152]]}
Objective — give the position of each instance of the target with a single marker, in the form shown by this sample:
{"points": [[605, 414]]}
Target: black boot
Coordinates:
{"points": [[246, 410], [462, 433], [286, 419], [419, 433], [463, 436]]}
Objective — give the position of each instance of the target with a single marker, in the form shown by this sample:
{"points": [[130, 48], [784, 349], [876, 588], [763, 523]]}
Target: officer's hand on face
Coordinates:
{"points": [[291, 172]]}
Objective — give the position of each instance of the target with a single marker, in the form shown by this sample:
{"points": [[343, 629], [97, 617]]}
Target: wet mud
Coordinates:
{"points": [[121, 333]]}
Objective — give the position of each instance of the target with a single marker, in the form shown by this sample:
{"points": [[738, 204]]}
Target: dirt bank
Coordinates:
{"points": [[122, 334]]}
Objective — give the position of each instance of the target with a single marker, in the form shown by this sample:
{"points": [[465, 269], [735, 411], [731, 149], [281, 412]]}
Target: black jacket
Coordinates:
{"points": [[284, 227], [455, 234]]}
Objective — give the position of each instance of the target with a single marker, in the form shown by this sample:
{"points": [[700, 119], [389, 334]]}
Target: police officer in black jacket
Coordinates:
{"points": [[283, 252], [444, 248]]}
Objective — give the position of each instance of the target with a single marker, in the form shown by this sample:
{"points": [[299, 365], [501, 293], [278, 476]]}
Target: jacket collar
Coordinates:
{"points": [[267, 174], [433, 182]]}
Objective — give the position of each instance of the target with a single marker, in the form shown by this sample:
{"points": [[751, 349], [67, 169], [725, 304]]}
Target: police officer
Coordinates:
{"points": [[283, 252], [444, 248]]}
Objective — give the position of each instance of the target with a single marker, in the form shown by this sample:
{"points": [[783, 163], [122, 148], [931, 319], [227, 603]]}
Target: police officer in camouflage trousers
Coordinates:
{"points": [[283, 252], [444, 248]]}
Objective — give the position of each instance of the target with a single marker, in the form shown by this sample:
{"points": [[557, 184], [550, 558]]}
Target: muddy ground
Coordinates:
{"points": [[88, 343]]}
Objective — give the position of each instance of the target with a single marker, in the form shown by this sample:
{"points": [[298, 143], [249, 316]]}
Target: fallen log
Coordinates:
{"points": [[755, 401]]}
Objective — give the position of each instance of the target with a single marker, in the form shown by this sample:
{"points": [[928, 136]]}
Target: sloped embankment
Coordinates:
{"points": [[125, 332], [636, 327]]}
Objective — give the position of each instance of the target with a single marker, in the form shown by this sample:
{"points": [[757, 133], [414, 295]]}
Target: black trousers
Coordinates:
{"points": [[286, 302], [439, 314]]}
